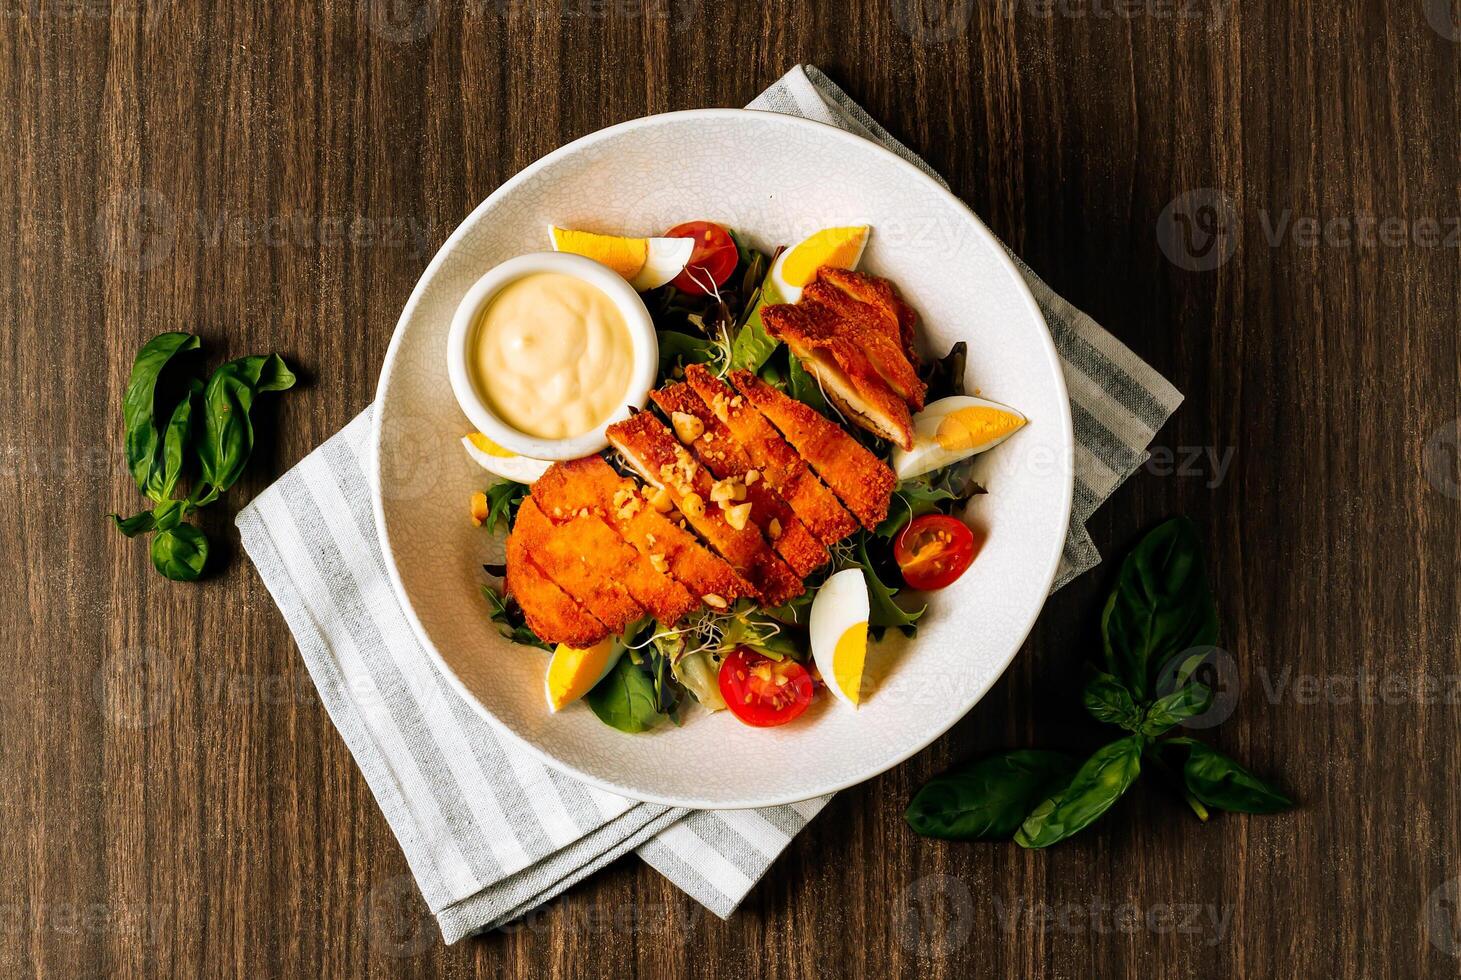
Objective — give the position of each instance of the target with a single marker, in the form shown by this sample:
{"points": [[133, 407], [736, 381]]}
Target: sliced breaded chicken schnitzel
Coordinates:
{"points": [[653, 451], [593, 583], [778, 462], [591, 484], [551, 613], [861, 480], [714, 445], [832, 353]]}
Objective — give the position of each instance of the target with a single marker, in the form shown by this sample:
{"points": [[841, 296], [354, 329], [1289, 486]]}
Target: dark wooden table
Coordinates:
{"points": [[275, 176]]}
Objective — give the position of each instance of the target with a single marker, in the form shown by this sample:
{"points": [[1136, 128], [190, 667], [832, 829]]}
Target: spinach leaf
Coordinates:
{"points": [[180, 552], [803, 387], [1175, 708], [989, 798], [227, 436], [1161, 606], [1221, 783], [911, 498], [678, 349], [753, 346], [883, 611], [626, 699], [1098, 784], [1108, 700], [945, 376], [139, 408]]}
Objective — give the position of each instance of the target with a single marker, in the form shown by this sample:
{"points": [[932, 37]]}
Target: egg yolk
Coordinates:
{"points": [[488, 446], [838, 247], [848, 658], [968, 428]]}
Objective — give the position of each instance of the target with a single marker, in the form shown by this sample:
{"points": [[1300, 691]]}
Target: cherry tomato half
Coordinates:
{"points": [[933, 551], [714, 259], [764, 692]]}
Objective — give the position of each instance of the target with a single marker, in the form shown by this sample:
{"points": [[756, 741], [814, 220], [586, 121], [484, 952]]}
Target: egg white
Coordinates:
{"points": [[666, 259], [927, 455], [519, 469], [841, 603]]}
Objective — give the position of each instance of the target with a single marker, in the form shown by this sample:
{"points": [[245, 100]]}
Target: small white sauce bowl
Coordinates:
{"points": [[463, 335]]}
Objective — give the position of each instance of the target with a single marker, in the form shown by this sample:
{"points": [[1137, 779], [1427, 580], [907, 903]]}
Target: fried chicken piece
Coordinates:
{"points": [[833, 352], [550, 612], [652, 450], [875, 332], [721, 453], [879, 294], [859, 478], [591, 484], [590, 579], [779, 464], [666, 599]]}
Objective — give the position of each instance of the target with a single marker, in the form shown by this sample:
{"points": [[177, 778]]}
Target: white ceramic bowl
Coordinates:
{"points": [[775, 179], [463, 330]]}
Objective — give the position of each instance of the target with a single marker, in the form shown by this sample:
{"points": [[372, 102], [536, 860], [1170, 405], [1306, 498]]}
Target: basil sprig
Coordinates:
{"points": [[1160, 612], [208, 428]]}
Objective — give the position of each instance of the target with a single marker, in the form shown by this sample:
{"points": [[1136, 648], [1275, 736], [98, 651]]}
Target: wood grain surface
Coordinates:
{"points": [[1259, 197]]}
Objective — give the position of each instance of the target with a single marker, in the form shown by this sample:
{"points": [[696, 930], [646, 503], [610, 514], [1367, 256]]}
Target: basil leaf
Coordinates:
{"points": [[1108, 700], [626, 699], [134, 525], [883, 611], [178, 436], [1160, 606], [180, 553], [1175, 708], [803, 387], [226, 439], [1221, 783], [1098, 784], [168, 514], [138, 408], [990, 798]]}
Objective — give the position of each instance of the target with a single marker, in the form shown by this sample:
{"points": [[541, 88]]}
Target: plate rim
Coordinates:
{"points": [[393, 350]]}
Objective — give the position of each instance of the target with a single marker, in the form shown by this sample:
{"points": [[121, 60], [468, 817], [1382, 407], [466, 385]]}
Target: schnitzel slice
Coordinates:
{"points": [[550, 612], [721, 452], [780, 466], [652, 450], [862, 481], [591, 484]]}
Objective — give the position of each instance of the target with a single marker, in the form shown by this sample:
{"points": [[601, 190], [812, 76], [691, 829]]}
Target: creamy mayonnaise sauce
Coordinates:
{"points": [[552, 355]]}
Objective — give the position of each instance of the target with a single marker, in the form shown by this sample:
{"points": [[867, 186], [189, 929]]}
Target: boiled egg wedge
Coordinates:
{"points": [[647, 263], [572, 672], [838, 628], [841, 248], [500, 462], [954, 428]]}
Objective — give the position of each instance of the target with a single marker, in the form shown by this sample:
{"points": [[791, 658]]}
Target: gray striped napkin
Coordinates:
{"points": [[489, 831]]}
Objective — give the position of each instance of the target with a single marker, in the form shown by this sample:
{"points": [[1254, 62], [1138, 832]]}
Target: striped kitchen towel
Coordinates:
{"points": [[489, 831]]}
